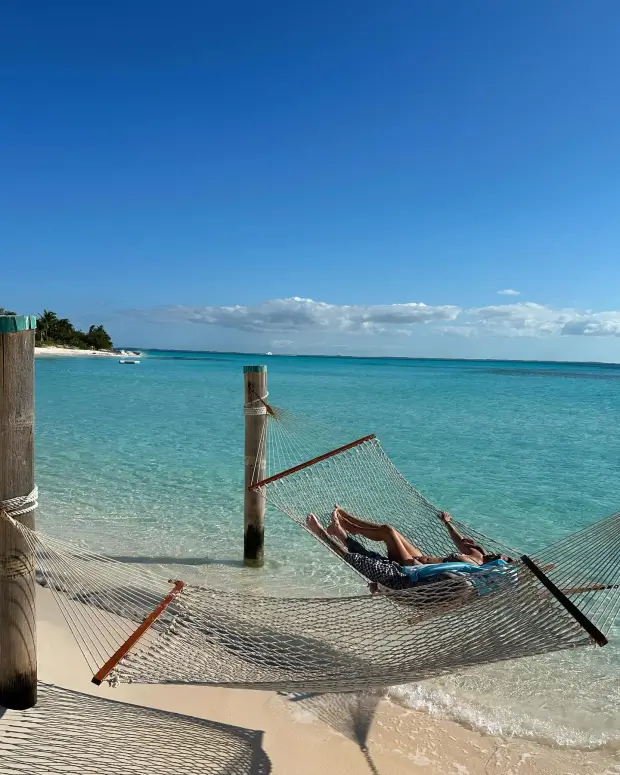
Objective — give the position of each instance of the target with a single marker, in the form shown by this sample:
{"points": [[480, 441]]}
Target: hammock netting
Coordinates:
{"points": [[215, 637], [70, 732]]}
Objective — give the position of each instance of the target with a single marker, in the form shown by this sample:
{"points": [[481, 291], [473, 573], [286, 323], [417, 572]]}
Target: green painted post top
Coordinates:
{"points": [[254, 369], [11, 323]]}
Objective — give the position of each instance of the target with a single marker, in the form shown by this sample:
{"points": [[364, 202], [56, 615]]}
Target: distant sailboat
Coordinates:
{"points": [[125, 360]]}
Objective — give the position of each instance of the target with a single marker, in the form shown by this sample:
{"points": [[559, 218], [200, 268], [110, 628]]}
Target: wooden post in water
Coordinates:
{"points": [[255, 379], [18, 656]]}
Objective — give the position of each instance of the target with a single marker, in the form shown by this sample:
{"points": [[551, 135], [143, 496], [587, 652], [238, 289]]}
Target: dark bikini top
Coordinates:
{"points": [[454, 557]]}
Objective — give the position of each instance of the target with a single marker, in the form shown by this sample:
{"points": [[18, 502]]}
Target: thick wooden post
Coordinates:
{"points": [[18, 657], [255, 378]]}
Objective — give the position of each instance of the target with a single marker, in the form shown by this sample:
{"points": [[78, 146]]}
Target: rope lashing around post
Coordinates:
{"points": [[14, 566], [250, 410], [16, 507]]}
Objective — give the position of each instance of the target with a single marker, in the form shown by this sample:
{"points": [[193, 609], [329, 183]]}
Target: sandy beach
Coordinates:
{"points": [[322, 734], [73, 352]]}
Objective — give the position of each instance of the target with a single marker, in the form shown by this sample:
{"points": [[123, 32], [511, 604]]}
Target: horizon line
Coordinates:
{"points": [[366, 357]]}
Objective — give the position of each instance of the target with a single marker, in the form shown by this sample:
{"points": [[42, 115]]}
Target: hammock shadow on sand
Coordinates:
{"points": [[69, 731], [349, 713]]}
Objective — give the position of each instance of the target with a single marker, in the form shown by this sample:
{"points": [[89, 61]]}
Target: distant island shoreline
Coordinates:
{"points": [[58, 336], [50, 351]]}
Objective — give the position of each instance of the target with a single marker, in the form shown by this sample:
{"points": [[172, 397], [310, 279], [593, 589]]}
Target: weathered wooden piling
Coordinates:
{"points": [[18, 657], [255, 379]]}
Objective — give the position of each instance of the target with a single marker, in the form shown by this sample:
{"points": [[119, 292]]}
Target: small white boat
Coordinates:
{"points": [[126, 360]]}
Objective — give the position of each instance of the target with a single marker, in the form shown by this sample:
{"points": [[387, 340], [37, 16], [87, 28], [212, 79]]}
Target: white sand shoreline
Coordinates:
{"points": [[72, 352], [307, 738]]}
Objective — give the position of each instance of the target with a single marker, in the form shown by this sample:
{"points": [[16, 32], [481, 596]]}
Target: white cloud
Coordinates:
{"points": [[530, 319], [299, 314], [316, 323], [594, 324], [457, 330], [509, 292], [521, 319]]}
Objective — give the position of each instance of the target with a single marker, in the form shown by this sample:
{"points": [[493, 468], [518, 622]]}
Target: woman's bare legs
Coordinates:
{"points": [[397, 549], [395, 542], [351, 519]]}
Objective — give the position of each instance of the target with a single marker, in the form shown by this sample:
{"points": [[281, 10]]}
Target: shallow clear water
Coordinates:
{"points": [[145, 462]]}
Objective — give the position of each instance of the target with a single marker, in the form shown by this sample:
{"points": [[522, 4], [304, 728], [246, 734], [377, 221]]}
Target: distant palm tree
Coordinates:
{"points": [[47, 320]]}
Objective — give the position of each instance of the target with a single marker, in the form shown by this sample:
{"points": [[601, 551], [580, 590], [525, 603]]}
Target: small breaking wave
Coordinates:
{"points": [[571, 700]]}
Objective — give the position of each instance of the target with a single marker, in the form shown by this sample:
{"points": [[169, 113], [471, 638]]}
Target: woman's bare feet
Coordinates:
{"points": [[332, 528], [313, 524], [335, 528]]}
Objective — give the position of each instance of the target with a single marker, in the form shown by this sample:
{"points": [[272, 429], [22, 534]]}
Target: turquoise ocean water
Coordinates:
{"points": [[145, 463]]}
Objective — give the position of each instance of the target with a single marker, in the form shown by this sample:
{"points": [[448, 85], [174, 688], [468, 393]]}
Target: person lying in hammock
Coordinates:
{"points": [[388, 571]]}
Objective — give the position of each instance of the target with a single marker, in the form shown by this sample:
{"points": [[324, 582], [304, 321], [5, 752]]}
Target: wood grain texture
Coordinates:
{"points": [[255, 383], [18, 659]]}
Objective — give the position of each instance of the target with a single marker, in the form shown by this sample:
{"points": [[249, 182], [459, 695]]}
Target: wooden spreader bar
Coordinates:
{"points": [[131, 641], [592, 630], [309, 463]]}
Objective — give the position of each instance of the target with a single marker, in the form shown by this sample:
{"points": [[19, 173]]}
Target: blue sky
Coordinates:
{"points": [[262, 176]]}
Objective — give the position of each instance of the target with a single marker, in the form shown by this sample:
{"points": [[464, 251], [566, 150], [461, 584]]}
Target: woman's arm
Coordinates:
{"points": [[456, 537], [471, 552]]}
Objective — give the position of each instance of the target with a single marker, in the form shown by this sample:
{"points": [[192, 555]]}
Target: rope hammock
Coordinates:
{"points": [[135, 626], [361, 478]]}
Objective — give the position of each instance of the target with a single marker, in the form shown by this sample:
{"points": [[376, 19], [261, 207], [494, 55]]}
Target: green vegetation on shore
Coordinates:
{"points": [[52, 330]]}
